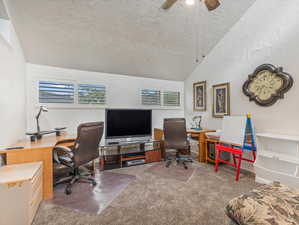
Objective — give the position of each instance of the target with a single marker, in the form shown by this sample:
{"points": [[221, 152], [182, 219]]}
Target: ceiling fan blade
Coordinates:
{"points": [[211, 4], [168, 4]]}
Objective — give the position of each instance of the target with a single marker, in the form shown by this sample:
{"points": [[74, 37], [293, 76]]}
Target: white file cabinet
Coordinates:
{"points": [[21, 191]]}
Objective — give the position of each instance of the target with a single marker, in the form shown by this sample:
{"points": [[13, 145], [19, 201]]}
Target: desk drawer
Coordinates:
{"points": [[36, 182], [34, 202]]}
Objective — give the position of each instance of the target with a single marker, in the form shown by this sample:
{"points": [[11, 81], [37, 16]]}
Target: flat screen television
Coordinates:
{"points": [[126, 123]]}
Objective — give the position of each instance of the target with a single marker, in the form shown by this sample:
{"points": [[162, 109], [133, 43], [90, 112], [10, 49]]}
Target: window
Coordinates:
{"points": [[91, 94], [56, 92], [171, 98], [150, 97]]}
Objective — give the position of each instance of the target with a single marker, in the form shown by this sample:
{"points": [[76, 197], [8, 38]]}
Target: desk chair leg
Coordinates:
{"points": [[168, 162], [185, 165], [68, 189], [62, 180], [93, 167], [169, 158], [76, 177]]}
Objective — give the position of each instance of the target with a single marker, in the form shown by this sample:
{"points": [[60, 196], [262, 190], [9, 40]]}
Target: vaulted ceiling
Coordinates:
{"points": [[132, 37]]}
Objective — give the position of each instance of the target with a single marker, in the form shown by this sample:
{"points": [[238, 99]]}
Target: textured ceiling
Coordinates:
{"points": [[132, 37]]}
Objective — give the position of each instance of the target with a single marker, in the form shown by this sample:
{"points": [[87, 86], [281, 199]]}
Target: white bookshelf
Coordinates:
{"points": [[277, 159]]}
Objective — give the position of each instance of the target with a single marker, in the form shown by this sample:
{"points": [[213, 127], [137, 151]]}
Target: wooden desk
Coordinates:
{"points": [[215, 141], [202, 150], [40, 150]]}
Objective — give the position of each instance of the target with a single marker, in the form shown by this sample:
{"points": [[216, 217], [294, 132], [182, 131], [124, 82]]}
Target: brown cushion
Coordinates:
{"points": [[268, 205]]}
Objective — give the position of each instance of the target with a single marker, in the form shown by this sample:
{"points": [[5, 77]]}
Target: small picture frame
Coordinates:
{"points": [[200, 96], [221, 100]]}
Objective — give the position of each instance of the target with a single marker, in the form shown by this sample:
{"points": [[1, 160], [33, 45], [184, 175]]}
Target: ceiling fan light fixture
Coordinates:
{"points": [[190, 2], [211, 4]]}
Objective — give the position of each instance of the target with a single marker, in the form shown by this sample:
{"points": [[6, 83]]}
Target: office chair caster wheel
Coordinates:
{"points": [[68, 190], [185, 166]]}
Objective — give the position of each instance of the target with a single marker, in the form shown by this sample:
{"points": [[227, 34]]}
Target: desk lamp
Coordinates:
{"points": [[196, 122], [39, 134], [41, 109]]}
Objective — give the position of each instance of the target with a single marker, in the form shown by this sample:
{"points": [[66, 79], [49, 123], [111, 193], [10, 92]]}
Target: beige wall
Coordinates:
{"points": [[258, 38], [12, 90], [122, 92], [267, 33]]}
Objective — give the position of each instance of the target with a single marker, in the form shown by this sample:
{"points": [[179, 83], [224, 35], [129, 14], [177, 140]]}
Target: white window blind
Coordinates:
{"points": [[56, 92], [91, 94], [150, 97], [171, 98]]}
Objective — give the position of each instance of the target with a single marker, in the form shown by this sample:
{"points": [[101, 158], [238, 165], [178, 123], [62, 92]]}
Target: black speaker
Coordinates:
{"points": [[212, 153]]}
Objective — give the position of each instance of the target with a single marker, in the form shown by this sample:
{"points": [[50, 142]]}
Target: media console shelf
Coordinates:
{"points": [[121, 152]]}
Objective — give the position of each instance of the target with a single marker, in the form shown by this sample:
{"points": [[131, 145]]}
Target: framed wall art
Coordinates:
{"points": [[221, 100], [200, 96]]}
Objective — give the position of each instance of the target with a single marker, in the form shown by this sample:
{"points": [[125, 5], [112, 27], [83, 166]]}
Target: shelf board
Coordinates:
{"points": [[132, 157], [152, 149], [279, 156], [279, 136], [257, 166]]}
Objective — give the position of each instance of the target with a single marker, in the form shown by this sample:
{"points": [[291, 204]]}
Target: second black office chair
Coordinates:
{"points": [[175, 137], [85, 150]]}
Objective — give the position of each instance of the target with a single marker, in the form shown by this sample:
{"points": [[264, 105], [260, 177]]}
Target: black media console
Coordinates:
{"points": [[121, 154]]}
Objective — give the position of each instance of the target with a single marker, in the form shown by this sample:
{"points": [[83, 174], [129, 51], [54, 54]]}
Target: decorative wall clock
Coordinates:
{"points": [[267, 84]]}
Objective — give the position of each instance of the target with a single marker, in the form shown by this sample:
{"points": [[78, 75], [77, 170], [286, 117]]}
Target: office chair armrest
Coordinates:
{"points": [[65, 141], [62, 150]]}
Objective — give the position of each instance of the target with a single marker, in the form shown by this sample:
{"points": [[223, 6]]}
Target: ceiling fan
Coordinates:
{"points": [[210, 4]]}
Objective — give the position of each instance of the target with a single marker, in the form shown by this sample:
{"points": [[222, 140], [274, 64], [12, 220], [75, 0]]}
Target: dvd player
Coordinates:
{"points": [[135, 162]]}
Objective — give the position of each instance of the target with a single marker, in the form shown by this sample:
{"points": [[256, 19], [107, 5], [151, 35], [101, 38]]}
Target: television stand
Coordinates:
{"points": [[117, 154]]}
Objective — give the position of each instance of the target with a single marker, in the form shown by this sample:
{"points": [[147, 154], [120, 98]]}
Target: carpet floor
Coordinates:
{"points": [[153, 198]]}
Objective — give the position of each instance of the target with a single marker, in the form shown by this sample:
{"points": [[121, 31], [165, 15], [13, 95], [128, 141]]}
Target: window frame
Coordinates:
{"points": [[57, 82], [76, 104], [162, 106], [49, 77], [91, 104], [179, 98], [150, 105]]}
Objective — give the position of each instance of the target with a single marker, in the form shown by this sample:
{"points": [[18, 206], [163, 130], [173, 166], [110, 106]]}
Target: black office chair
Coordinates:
{"points": [[84, 150], [175, 137]]}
